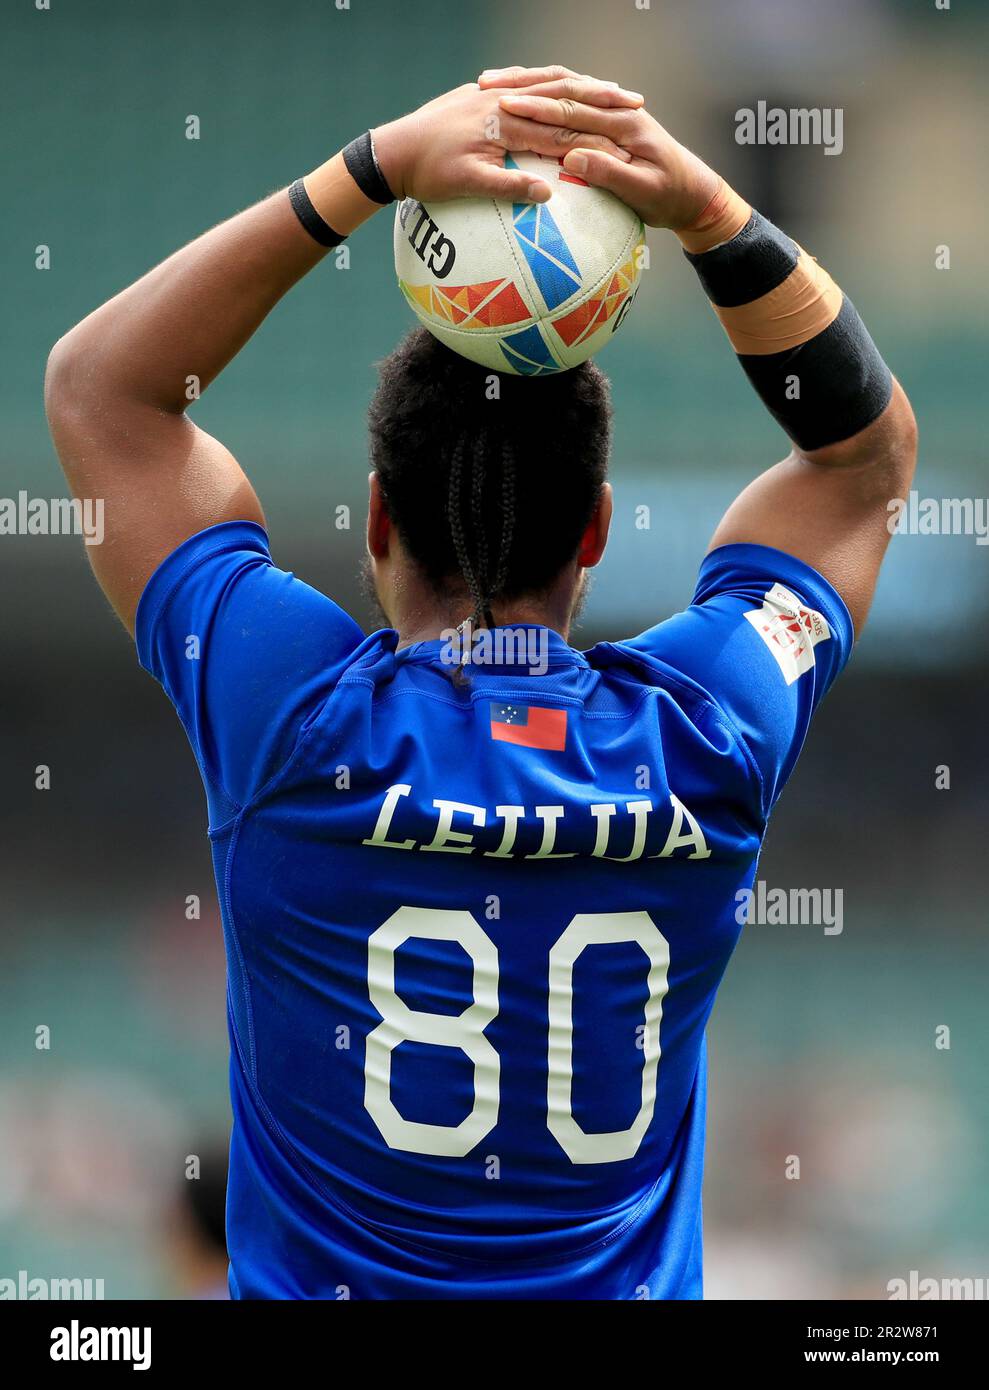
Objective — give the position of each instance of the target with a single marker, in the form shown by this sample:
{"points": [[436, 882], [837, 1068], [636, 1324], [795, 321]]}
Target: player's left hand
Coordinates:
{"points": [[663, 181], [556, 81], [455, 146]]}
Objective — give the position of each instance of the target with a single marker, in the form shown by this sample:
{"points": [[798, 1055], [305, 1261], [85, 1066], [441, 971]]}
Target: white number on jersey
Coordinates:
{"points": [[466, 1031]]}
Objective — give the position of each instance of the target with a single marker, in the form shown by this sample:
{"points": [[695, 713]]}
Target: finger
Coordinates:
{"points": [[630, 182], [552, 141], [572, 115], [590, 90], [522, 77], [513, 185]]}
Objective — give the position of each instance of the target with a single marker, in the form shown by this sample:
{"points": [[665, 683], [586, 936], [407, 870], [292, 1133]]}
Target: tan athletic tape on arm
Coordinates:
{"points": [[723, 218], [336, 197], [804, 305]]}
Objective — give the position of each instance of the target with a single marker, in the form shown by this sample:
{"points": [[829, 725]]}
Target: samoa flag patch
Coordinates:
{"points": [[529, 726]]}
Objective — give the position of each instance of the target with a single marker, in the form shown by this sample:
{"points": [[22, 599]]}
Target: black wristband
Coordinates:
{"points": [[318, 229], [362, 165]]}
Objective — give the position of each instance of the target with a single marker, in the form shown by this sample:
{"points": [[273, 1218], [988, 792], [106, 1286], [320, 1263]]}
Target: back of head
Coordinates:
{"points": [[489, 479]]}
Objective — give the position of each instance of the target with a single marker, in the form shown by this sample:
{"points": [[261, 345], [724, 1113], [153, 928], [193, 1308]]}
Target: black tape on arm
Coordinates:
{"points": [[750, 265], [317, 228], [362, 165], [839, 382], [822, 391]]}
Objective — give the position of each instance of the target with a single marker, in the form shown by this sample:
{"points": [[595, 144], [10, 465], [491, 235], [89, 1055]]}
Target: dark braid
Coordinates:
{"points": [[479, 527], [475, 559], [507, 516], [455, 517]]}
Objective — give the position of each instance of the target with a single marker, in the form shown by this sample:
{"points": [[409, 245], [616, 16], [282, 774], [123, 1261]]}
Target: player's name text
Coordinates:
{"points": [[520, 832]]}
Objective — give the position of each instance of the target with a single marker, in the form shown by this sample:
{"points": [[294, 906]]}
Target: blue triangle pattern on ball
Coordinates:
{"points": [[528, 352], [553, 267]]}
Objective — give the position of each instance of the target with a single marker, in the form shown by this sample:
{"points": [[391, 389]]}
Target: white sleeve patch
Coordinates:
{"points": [[789, 630]]}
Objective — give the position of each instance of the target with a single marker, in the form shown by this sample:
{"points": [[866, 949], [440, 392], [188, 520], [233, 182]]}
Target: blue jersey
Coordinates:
{"points": [[475, 924]]}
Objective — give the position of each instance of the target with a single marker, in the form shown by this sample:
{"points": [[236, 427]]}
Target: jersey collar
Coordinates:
{"points": [[517, 647]]}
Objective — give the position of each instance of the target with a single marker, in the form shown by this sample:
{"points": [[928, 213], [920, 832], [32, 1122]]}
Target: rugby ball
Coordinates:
{"points": [[525, 288]]}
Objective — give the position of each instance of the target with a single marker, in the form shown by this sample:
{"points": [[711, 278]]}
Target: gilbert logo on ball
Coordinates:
{"points": [[528, 288]]}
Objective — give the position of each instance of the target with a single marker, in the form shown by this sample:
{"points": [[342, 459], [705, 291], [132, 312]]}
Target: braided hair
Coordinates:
{"points": [[489, 479], [466, 516]]}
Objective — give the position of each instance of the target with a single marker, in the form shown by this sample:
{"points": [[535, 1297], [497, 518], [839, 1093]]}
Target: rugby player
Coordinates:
{"points": [[476, 910]]}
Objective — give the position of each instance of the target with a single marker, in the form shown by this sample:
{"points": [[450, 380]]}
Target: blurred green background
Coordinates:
{"points": [[821, 1046]]}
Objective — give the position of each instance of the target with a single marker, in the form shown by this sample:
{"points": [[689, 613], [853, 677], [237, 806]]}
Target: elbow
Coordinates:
{"points": [[58, 374], [69, 380], [886, 449], [902, 437]]}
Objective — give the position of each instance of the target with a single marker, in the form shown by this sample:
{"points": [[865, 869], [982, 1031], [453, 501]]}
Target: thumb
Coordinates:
{"points": [[514, 185], [593, 165], [629, 182]]}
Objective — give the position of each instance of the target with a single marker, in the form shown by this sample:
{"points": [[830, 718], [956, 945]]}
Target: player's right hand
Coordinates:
{"points": [[455, 146], [663, 182]]}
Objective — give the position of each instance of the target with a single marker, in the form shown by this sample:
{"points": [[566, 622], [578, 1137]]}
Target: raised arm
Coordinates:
{"points": [[800, 341], [118, 384]]}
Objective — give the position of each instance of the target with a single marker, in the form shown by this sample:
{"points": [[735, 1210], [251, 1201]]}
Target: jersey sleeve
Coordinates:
{"points": [[765, 637], [246, 652]]}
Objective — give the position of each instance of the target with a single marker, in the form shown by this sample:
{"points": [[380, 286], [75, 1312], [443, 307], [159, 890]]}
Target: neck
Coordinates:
{"points": [[428, 620]]}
